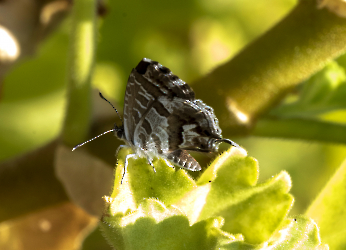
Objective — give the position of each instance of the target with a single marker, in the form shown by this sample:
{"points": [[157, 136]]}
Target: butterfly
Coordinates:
{"points": [[162, 118]]}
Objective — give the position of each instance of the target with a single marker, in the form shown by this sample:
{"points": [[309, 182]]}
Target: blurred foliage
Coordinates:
{"points": [[320, 98], [182, 35], [322, 93], [191, 38], [328, 210]]}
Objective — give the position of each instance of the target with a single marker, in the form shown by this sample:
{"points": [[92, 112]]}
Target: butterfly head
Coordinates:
{"points": [[119, 131]]}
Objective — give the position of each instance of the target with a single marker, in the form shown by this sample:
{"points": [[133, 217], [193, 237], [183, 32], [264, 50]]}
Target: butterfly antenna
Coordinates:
{"points": [[79, 145], [111, 105], [232, 143]]}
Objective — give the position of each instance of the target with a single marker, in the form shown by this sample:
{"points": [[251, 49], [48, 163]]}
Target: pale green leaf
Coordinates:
{"points": [[329, 210]]}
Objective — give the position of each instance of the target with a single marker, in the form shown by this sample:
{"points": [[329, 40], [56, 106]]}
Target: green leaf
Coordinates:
{"points": [[154, 226], [166, 183], [316, 114], [323, 92], [224, 209], [321, 87], [328, 210], [297, 233], [252, 210]]}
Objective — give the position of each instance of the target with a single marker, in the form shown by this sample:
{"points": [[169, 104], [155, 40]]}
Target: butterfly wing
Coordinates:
{"points": [[192, 125], [170, 120], [170, 127], [146, 83], [137, 101]]}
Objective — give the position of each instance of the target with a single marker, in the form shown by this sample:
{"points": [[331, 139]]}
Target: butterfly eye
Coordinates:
{"points": [[119, 133]]}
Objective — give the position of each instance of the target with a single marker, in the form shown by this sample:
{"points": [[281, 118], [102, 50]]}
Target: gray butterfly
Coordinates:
{"points": [[162, 118]]}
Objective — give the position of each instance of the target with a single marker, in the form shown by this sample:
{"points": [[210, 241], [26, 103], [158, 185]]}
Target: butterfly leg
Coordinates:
{"points": [[169, 164], [151, 164], [126, 163]]}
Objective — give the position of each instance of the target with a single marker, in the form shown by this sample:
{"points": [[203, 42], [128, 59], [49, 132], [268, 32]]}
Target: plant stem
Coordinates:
{"points": [[81, 60], [260, 75], [302, 129]]}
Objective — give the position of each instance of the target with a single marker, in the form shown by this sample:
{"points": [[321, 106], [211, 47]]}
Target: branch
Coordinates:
{"points": [[259, 76], [302, 129]]}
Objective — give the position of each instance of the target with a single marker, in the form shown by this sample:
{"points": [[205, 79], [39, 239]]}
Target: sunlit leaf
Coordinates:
{"points": [[231, 211], [328, 210]]}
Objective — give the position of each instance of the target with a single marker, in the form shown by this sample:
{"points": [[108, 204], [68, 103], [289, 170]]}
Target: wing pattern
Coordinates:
{"points": [[162, 116]]}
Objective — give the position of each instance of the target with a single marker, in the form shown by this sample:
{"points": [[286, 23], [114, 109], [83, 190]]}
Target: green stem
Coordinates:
{"points": [[297, 128], [81, 60], [260, 75]]}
